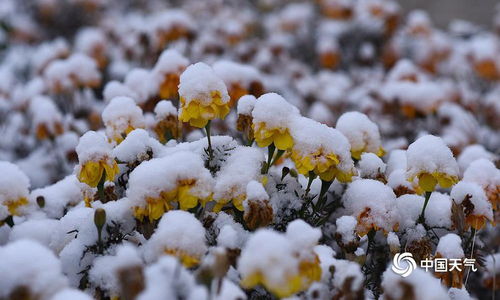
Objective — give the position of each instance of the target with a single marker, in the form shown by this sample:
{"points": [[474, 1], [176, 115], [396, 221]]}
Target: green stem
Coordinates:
{"points": [[312, 176], [325, 185], [270, 154], [100, 187], [9, 221], [210, 150], [278, 155], [421, 218]]}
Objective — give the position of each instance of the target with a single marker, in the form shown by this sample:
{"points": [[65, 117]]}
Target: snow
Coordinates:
{"points": [[14, 185], [136, 145], [429, 154], [373, 195], [274, 111], [42, 276], [59, 196], [92, 146], [370, 165], [121, 114], [158, 175], [170, 62], [232, 72], [438, 211], [141, 82], [198, 82], [450, 246], [105, 269], [423, 284], [40, 231], [177, 230], [246, 105], [241, 167], [346, 226], [362, 133], [472, 153], [469, 190], [165, 108], [269, 253], [70, 293]]}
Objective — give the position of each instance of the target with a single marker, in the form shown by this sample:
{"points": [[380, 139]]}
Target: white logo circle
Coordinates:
{"points": [[406, 268]]}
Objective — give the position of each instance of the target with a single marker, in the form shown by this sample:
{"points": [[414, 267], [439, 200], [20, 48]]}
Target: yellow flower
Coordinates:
{"points": [[293, 284], [186, 259], [157, 206], [428, 181], [322, 164], [310, 271], [237, 202], [91, 172], [13, 205], [265, 136], [197, 113], [356, 153]]}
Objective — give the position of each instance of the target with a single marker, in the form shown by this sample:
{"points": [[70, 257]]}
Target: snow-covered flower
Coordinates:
{"points": [[41, 278], [362, 133], [241, 167], [166, 123], [432, 163], [240, 79], [372, 203], [450, 247], [178, 234], [120, 117], [484, 173], [167, 71], [283, 264], [203, 95], [245, 107], [257, 210], [474, 202], [272, 117], [14, 185], [161, 184], [320, 149], [47, 120], [95, 159]]}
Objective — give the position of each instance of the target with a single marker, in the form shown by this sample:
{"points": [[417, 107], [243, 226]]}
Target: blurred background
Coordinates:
{"points": [[443, 11]]}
